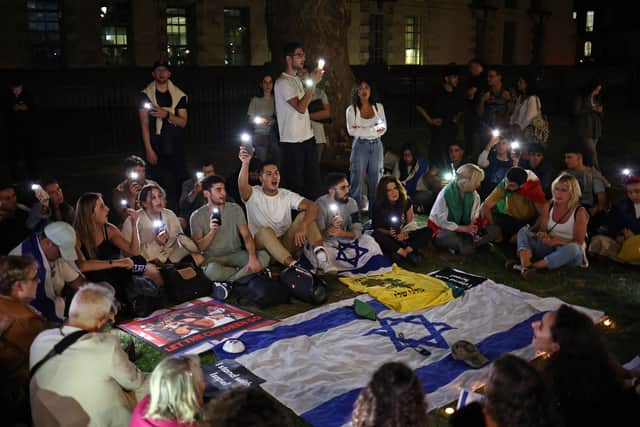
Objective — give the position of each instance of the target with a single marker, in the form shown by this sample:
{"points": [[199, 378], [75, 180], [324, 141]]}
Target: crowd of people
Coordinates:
{"points": [[74, 267]]}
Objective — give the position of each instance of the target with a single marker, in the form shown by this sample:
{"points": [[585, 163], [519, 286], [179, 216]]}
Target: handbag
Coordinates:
{"points": [[185, 283], [538, 129]]}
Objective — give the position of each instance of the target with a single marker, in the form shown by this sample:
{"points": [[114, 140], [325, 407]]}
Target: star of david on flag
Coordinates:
{"points": [[434, 337]]}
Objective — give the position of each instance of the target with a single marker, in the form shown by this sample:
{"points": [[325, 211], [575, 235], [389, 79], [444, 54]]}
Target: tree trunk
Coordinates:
{"points": [[321, 26]]}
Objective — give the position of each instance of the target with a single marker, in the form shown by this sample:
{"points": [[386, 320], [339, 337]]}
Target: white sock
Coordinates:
{"points": [[320, 254]]}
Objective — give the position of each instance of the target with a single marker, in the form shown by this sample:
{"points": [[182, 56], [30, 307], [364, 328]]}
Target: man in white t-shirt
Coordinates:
{"points": [[292, 96], [269, 216]]}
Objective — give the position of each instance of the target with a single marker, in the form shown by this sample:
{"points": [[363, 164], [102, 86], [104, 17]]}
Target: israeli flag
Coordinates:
{"points": [[317, 362]]}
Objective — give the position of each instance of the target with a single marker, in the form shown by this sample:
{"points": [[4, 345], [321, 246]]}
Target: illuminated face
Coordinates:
{"points": [[561, 193], [455, 153], [342, 191], [161, 75], [572, 160], [270, 177], [297, 59], [100, 212], [542, 338], [633, 192], [217, 194], [155, 201], [364, 91], [393, 192], [502, 146], [55, 193], [29, 286], [535, 159]]}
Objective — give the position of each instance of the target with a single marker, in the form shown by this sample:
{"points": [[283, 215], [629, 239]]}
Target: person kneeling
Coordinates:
{"points": [[393, 225], [455, 213], [560, 238], [220, 228], [351, 252]]}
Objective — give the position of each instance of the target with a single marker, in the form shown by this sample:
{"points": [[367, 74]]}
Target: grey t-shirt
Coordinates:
{"points": [[591, 183], [227, 240], [348, 211], [261, 107]]}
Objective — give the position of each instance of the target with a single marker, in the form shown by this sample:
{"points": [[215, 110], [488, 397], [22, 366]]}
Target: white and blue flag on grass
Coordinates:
{"points": [[317, 362]]}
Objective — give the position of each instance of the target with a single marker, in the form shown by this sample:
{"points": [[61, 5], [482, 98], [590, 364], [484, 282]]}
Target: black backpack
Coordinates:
{"points": [[260, 290], [185, 283], [304, 285]]}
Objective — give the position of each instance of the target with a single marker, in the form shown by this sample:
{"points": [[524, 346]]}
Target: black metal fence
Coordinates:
{"points": [[83, 112]]}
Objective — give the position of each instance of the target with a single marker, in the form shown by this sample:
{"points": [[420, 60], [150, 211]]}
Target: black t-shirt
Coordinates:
{"points": [[382, 216], [13, 231], [170, 135], [444, 105], [479, 82], [19, 121]]}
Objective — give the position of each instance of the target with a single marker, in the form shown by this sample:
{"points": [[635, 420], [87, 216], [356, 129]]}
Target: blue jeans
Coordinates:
{"points": [[366, 156], [556, 257]]}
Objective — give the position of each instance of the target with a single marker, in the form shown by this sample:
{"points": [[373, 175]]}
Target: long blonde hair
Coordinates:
{"points": [[84, 223], [175, 389]]}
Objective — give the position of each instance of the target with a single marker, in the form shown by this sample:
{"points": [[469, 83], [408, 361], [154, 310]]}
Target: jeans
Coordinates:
{"points": [[366, 156], [463, 243], [570, 254], [590, 144]]}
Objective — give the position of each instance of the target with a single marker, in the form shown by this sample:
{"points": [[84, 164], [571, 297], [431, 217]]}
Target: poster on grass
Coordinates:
{"points": [[458, 277], [226, 374], [193, 327]]}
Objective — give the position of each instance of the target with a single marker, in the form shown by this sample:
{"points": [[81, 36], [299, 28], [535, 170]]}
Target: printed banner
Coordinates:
{"points": [[226, 374], [193, 327]]}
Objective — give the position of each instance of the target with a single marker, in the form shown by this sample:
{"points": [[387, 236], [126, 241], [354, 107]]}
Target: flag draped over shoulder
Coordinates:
{"points": [[317, 362]]}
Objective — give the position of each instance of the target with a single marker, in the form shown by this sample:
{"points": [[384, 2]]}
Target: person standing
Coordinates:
{"points": [[587, 109], [163, 117], [442, 111], [301, 172], [366, 123], [261, 112], [495, 104], [20, 139]]}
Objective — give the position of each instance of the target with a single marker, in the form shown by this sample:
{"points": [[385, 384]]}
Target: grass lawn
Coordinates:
{"points": [[610, 287]]}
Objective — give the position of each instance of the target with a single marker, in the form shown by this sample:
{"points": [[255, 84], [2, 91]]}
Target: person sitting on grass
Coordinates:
{"points": [[393, 223], [622, 243], [495, 159], [590, 386], [176, 389], [413, 171], [517, 200], [20, 323], [269, 216], [454, 216], [560, 234], [518, 396], [393, 397]]}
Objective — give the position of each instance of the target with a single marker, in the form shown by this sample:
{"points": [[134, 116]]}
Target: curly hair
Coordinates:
{"points": [[393, 398], [241, 407], [517, 395]]}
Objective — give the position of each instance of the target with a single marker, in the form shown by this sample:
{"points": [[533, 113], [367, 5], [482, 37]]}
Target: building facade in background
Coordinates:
{"points": [[112, 33]]}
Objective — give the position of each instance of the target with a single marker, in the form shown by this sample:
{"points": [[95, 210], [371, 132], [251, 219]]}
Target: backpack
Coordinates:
{"points": [[186, 283], [304, 285], [260, 290], [143, 296], [538, 129]]}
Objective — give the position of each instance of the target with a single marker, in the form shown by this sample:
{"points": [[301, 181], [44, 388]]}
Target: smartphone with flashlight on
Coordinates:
{"points": [[147, 106], [40, 193], [247, 143], [216, 216], [515, 148], [159, 225]]}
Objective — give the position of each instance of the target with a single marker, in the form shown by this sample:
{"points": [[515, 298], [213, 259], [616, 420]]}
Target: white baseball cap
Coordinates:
{"points": [[64, 237]]}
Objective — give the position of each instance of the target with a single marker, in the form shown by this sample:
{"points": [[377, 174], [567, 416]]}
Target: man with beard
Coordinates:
{"points": [[442, 111], [220, 228], [163, 117], [338, 220], [270, 221], [292, 96]]}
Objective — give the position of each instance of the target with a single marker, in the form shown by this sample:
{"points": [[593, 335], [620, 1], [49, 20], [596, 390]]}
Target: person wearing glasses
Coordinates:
{"points": [[351, 252], [301, 171], [20, 323]]}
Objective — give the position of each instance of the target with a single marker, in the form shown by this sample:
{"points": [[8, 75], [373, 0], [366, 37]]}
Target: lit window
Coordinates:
{"points": [[114, 20], [589, 26], [574, 15], [412, 42], [177, 36], [587, 49], [43, 23]]}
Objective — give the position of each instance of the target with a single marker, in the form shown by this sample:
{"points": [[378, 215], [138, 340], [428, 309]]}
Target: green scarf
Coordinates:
{"points": [[459, 208]]}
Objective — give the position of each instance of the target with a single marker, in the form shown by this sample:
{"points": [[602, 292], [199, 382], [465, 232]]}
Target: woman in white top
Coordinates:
{"points": [[158, 228], [262, 117], [366, 122], [560, 239], [527, 104]]}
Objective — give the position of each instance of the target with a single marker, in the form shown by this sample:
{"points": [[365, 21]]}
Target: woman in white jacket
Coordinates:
{"points": [[158, 228], [527, 104], [366, 123]]}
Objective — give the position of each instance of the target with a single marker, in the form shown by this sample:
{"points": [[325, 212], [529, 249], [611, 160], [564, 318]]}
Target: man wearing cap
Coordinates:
{"points": [[54, 250], [516, 201], [442, 111], [540, 166], [163, 116]]}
